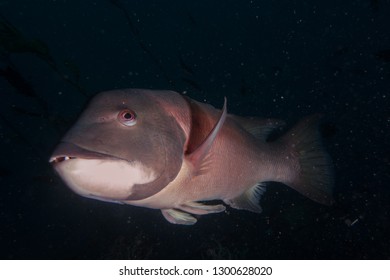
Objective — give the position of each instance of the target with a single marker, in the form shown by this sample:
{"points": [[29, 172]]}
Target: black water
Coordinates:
{"points": [[282, 59]]}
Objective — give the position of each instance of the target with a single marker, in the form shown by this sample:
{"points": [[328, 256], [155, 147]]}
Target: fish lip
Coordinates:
{"points": [[66, 151]]}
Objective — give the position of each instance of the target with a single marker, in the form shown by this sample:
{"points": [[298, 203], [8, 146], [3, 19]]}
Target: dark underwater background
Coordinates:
{"points": [[271, 58]]}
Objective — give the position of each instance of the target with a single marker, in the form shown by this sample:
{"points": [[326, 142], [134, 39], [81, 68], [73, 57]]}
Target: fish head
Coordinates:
{"points": [[126, 145]]}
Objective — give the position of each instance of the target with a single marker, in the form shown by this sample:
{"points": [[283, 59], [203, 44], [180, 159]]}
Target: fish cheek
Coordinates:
{"points": [[168, 144]]}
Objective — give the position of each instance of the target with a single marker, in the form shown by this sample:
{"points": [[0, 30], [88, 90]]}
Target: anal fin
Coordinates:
{"points": [[249, 200], [182, 215]]}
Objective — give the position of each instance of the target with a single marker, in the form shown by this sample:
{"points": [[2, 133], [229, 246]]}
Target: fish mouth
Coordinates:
{"points": [[66, 151], [55, 160], [98, 175]]}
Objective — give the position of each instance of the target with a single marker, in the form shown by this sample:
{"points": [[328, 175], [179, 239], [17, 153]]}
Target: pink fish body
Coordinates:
{"points": [[162, 150]]}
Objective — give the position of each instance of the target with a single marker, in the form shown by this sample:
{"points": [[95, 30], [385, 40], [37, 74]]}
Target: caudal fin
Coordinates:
{"points": [[315, 179]]}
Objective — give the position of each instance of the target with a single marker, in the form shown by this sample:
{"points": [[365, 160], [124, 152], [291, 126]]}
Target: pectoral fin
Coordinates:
{"points": [[178, 217], [198, 158]]}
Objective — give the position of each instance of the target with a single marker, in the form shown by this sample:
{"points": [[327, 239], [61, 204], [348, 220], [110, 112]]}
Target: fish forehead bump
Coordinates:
{"points": [[109, 101], [135, 96], [172, 102]]}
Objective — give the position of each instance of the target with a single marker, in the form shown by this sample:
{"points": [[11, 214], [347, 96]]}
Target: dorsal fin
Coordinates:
{"points": [[197, 157], [260, 128]]}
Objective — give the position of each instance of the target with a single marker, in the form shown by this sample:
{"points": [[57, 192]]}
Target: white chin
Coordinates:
{"points": [[108, 180]]}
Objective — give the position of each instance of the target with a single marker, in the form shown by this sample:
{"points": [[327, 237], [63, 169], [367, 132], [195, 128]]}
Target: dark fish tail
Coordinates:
{"points": [[315, 177]]}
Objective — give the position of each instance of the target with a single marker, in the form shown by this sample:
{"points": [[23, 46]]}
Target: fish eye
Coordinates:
{"points": [[127, 117]]}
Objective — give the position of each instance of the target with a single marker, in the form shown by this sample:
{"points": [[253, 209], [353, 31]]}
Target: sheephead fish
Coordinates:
{"points": [[162, 150]]}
